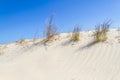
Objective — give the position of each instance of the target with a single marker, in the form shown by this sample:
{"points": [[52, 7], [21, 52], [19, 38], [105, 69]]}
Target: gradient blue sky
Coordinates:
{"points": [[21, 19]]}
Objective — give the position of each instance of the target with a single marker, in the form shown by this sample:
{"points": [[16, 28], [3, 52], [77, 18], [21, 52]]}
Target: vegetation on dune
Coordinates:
{"points": [[76, 34], [101, 31], [100, 34], [51, 30]]}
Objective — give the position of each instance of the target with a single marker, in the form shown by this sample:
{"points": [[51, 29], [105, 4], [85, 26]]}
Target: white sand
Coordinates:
{"points": [[62, 59]]}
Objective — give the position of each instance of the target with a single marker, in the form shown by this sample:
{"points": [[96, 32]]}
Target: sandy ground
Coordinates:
{"points": [[62, 59]]}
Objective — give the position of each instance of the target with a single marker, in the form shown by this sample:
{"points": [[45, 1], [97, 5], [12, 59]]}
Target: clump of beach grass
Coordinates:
{"points": [[51, 31], [76, 34], [101, 30]]}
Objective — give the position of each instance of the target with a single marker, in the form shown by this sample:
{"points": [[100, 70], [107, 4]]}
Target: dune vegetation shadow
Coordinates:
{"points": [[89, 45], [67, 42]]}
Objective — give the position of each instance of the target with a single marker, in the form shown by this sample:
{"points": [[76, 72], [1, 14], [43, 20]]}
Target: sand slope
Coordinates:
{"points": [[62, 59]]}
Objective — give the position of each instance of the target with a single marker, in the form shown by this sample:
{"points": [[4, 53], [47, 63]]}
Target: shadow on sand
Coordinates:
{"points": [[86, 46], [67, 42], [89, 45]]}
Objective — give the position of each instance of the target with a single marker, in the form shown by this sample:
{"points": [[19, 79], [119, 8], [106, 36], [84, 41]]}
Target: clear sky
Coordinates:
{"points": [[21, 19]]}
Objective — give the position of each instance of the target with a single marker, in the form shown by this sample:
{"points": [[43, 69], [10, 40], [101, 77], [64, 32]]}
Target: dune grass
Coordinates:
{"points": [[76, 34], [51, 30], [101, 30]]}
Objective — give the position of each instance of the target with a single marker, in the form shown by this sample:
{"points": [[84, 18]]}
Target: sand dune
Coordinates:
{"points": [[62, 59]]}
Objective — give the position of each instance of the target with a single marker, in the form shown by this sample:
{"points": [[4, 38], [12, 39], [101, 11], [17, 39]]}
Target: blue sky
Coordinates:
{"points": [[21, 19]]}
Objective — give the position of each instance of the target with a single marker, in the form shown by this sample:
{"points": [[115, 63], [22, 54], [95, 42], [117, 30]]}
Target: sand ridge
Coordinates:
{"points": [[62, 59]]}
